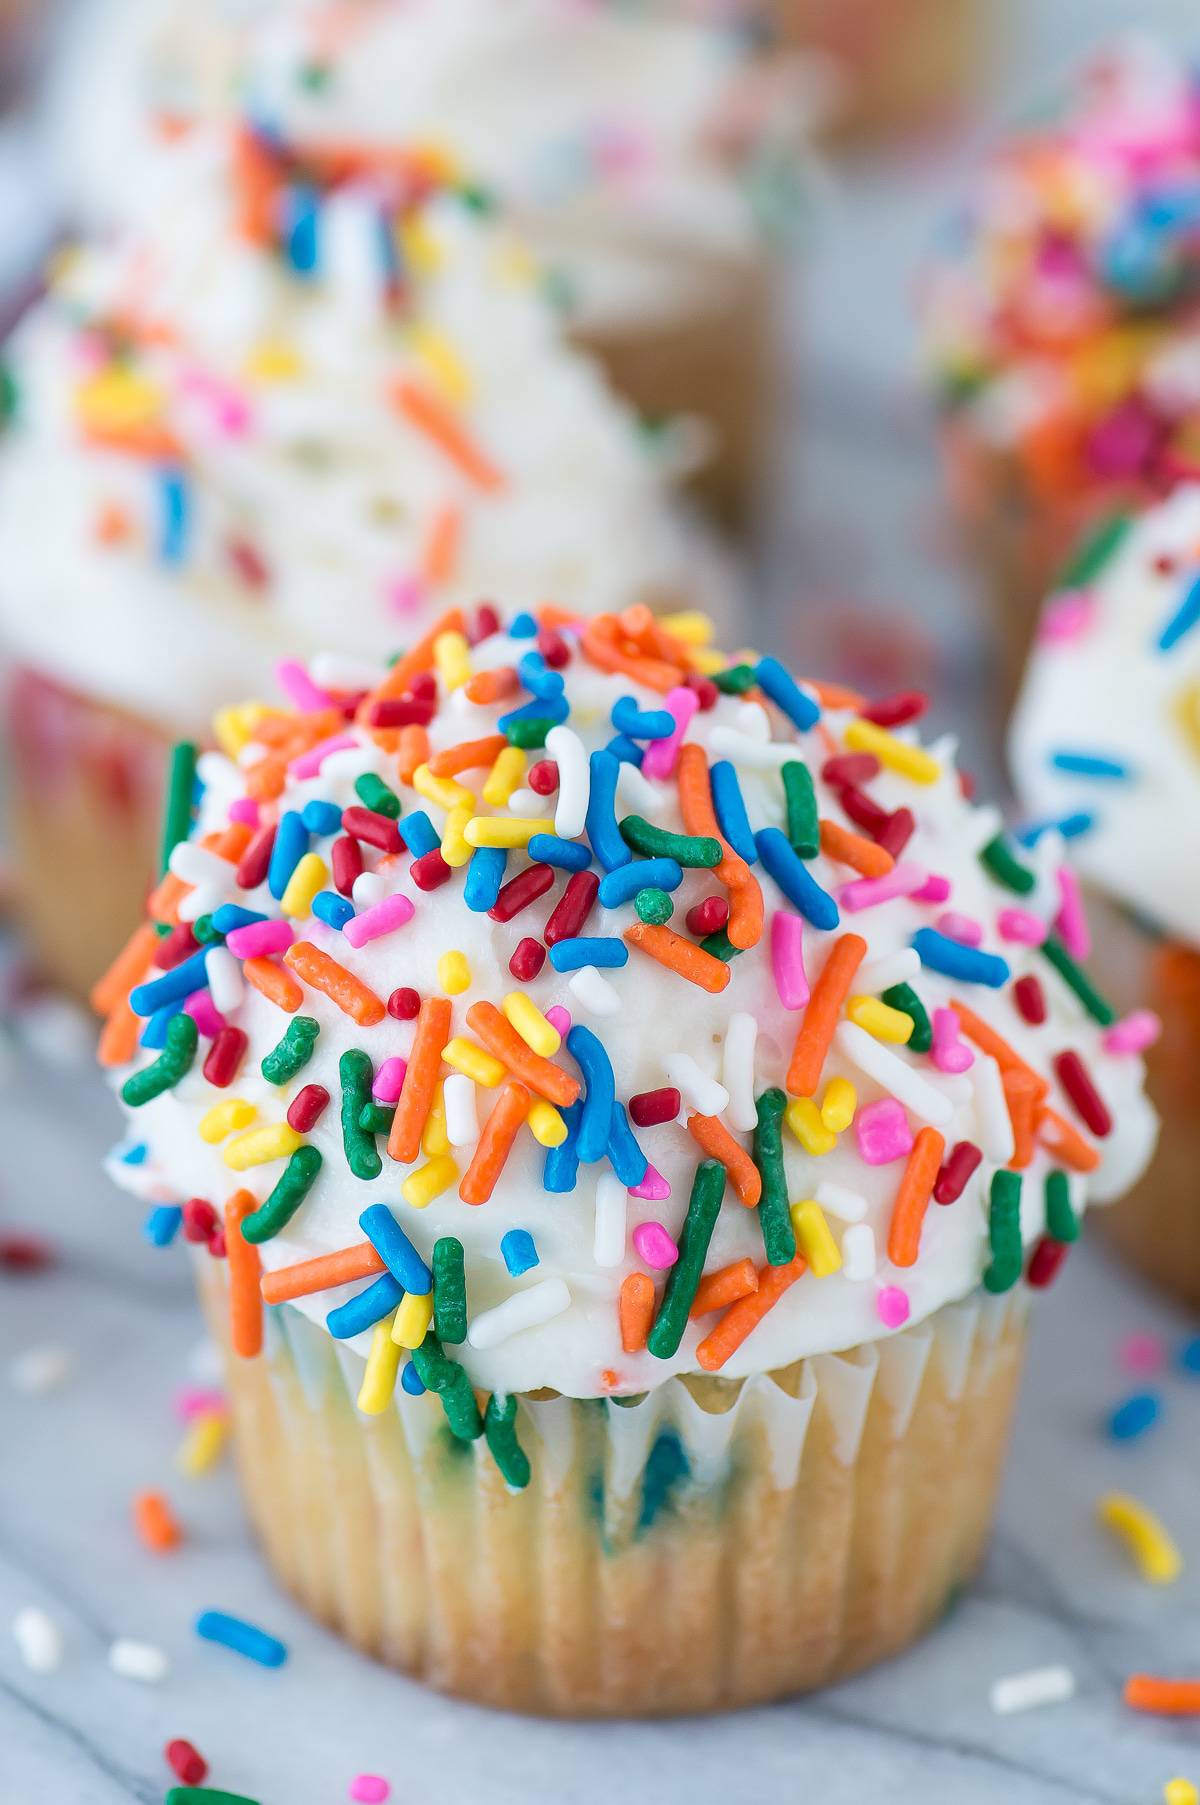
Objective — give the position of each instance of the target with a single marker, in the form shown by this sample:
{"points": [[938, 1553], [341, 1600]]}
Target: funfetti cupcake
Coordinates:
{"points": [[314, 396], [1062, 322], [626, 1120], [1105, 748]]}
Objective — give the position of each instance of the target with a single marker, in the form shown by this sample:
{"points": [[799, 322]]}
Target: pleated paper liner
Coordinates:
{"points": [[715, 1543]]}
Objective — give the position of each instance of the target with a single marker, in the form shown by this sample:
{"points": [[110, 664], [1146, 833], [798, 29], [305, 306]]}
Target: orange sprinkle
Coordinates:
{"points": [[273, 982], [495, 1142], [412, 750], [713, 1138], [422, 409], [848, 848], [492, 686], [439, 555], [727, 1286], [1171, 1698], [835, 695], [400, 675], [143, 440], [501, 1039], [321, 1274], [640, 624], [743, 1317], [1064, 1141], [550, 614], [1021, 1095], [255, 178], [245, 1272], [635, 1311], [601, 645], [155, 1522], [164, 900], [126, 970], [119, 1035], [320, 972], [113, 524], [912, 1197], [420, 1080], [988, 1041], [683, 956], [699, 817], [821, 1014], [468, 755]]}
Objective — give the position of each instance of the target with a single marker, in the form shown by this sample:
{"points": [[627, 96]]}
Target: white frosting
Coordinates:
{"points": [[314, 467], [1100, 684], [663, 1025]]}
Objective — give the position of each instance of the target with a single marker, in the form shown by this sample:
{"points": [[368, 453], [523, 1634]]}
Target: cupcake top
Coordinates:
{"points": [[319, 389], [1062, 313], [1105, 740], [641, 1013]]}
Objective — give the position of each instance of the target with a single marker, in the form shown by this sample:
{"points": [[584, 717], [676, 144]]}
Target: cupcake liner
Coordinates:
{"points": [[901, 63], [714, 1543]]}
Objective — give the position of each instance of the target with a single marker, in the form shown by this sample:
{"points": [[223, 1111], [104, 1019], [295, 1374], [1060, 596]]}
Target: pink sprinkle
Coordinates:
{"points": [[309, 763], [199, 1400], [382, 918], [258, 938], [405, 595], [653, 1245], [659, 761], [231, 410], [935, 889], [949, 1052], [559, 1018], [389, 1080], [245, 810], [299, 687], [1022, 926], [883, 1132], [1141, 1353], [893, 1306], [1067, 616], [866, 892], [787, 958], [1071, 920], [1134, 1033], [369, 1789], [203, 1012], [654, 1187], [963, 928]]}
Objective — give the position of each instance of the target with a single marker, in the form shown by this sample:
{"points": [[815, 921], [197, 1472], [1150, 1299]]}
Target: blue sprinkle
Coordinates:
{"points": [[600, 823], [1069, 826], [334, 910], [154, 1034], [365, 1308], [1134, 1416], [549, 708], [730, 809], [300, 229], [291, 844], [395, 1249], [622, 885], [190, 974], [519, 1250], [642, 724], [231, 915], [322, 817], [538, 678], [1189, 1355], [565, 855], [624, 1155], [162, 1224], [562, 1162], [1089, 764], [625, 750], [134, 1156], [418, 833], [411, 1380], [243, 1638], [796, 880], [522, 626], [786, 693], [604, 951], [595, 1124], [174, 520], [485, 874], [969, 964], [1184, 619]]}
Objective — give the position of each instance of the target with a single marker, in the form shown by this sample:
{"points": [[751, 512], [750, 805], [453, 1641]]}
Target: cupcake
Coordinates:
{"points": [[617, 1151], [650, 159], [1061, 319], [1105, 749], [313, 393]]}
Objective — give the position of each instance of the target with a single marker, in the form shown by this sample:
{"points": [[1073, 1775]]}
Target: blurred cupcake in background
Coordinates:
{"points": [[1062, 323], [1106, 751], [316, 392]]}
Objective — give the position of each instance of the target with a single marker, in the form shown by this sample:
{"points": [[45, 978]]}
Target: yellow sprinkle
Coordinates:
{"points": [[434, 1139], [412, 1320], [691, 625], [1180, 1792], [419, 248], [203, 1443], [815, 1238], [908, 761], [233, 727], [545, 1124], [454, 973], [224, 1117], [473, 1062], [504, 830], [383, 1363], [273, 360], [429, 1181], [443, 363], [442, 790], [118, 400], [838, 1105], [880, 1019], [531, 1024], [504, 777], [804, 1119], [452, 657], [456, 848], [1186, 710], [310, 876], [514, 264], [1148, 1542], [258, 1145], [709, 662]]}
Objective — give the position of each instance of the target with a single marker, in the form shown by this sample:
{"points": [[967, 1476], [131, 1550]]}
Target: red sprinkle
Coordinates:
{"points": [[430, 870], [249, 563], [863, 810], [375, 829], [1030, 999], [649, 1108], [307, 1107], [897, 831], [1045, 1262], [543, 777], [423, 687], [553, 647], [184, 1759], [486, 622], [852, 768], [24, 1252], [346, 860], [199, 1220], [404, 1004], [894, 711], [704, 690], [957, 1167], [1076, 1080], [528, 960], [252, 868], [707, 917], [400, 711], [175, 947], [572, 908], [520, 891], [224, 1058], [216, 1246]]}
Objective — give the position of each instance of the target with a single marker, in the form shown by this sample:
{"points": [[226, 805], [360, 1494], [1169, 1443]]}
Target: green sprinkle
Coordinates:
{"points": [[500, 1427], [774, 1215], [1076, 979], [528, 734], [708, 1188], [654, 906], [904, 998], [206, 1795], [803, 825], [314, 77], [736, 680], [1062, 1224], [437, 1372], [172, 1064], [297, 1180], [181, 783], [293, 1052], [695, 850], [1099, 546], [476, 199], [1004, 1232], [376, 1118], [374, 794], [356, 1071], [205, 932], [720, 946], [1006, 868], [449, 1289], [9, 393]]}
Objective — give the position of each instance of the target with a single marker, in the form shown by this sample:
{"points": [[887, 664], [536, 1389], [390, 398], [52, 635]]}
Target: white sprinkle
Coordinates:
{"points": [[527, 804], [703, 1093], [608, 1247], [594, 992], [991, 1111], [754, 721], [1036, 1686], [368, 889], [349, 764], [737, 1070], [638, 793], [858, 1252], [847, 1205], [193, 864], [523, 1310], [138, 1661], [574, 781], [38, 1639], [226, 985], [462, 1124], [204, 899], [892, 968], [40, 1369], [331, 670], [905, 1084], [754, 755]]}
